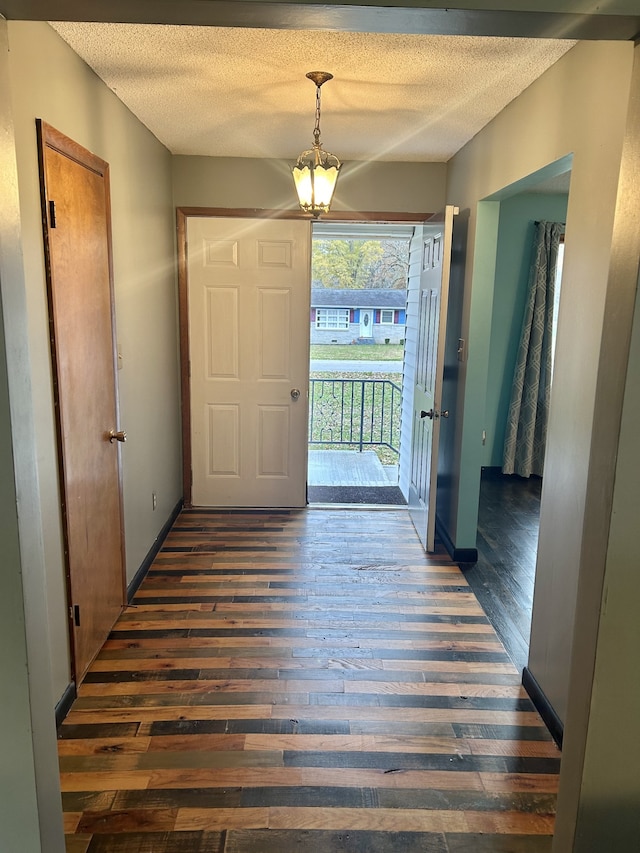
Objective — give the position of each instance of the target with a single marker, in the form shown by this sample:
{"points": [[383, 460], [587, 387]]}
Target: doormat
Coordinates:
{"points": [[390, 495]]}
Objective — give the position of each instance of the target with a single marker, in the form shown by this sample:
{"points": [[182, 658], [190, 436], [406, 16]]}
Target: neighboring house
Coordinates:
{"points": [[345, 316]]}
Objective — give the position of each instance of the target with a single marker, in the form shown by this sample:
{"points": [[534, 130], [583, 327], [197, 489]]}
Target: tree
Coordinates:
{"points": [[344, 263], [392, 268], [360, 263]]}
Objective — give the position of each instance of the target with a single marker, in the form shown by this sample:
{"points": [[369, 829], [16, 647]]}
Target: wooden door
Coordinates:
{"points": [[76, 220], [429, 363], [248, 292]]}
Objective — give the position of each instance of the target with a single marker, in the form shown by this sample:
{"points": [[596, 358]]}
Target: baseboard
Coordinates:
{"points": [[458, 555], [66, 701], [492, 472], [551, 720], [70, 694], [151, 555]]}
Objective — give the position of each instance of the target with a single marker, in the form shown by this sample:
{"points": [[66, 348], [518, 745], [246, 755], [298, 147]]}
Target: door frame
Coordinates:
{"points": [[49, 137], [182, 214]]}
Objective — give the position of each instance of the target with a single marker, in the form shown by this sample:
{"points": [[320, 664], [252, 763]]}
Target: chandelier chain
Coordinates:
{"points": [[316, 129]]}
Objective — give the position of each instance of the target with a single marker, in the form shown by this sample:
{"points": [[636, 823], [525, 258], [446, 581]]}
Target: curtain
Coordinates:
{"points": [[529, 408]]}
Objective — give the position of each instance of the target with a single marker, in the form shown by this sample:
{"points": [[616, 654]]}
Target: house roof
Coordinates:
{"points": [[330, 297]]}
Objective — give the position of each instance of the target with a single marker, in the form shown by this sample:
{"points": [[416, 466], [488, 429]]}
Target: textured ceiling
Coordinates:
{"points": [[243, 92]]}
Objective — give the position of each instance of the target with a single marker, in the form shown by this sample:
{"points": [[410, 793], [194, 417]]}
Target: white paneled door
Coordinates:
{"points": [[248, 291], [428, 355]]}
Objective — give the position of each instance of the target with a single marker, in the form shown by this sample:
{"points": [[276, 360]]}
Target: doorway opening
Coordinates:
{"points": [[509, 503], [357, 332]]}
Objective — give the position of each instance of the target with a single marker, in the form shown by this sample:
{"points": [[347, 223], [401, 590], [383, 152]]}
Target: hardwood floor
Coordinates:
{"points": [[304, 680], [504, 576]]}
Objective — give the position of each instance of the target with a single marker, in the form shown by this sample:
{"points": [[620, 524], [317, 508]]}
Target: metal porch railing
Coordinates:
{"points": [[357, 412]]}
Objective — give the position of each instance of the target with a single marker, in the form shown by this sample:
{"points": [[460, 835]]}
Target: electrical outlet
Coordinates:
{"points": [[154, 500]]}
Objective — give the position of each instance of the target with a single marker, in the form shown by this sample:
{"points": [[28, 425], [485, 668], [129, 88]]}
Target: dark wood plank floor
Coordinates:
{"points": [[304, 680], [504, 576]]}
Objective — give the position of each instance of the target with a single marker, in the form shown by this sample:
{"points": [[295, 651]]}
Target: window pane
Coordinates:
{"points": [[332, 318]]}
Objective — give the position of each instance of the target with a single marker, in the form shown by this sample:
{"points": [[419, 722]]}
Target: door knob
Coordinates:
{"points": [[295, 393], [444, 414], [117, 435], [430, 414]]}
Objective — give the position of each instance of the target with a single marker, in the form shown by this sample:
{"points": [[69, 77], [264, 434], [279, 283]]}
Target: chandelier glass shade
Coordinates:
{"points": [[316, 171]]}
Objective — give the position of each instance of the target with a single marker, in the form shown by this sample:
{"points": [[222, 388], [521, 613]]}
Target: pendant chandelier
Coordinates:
{"points": [[316, 171]]}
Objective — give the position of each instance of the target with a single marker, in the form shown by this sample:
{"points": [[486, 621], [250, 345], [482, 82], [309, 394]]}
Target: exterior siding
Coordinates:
{"points": [[335, 336], [410, 358], [395, 333]]}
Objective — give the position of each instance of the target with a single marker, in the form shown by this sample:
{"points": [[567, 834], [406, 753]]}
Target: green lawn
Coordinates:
{"points": [[358, 352]]}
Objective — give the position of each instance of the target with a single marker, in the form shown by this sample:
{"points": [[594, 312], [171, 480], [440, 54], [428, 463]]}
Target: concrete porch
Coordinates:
{"points": [[349, 468]]}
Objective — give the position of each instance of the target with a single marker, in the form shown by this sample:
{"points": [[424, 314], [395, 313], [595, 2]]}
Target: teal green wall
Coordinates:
{"points": [[515, 238]]}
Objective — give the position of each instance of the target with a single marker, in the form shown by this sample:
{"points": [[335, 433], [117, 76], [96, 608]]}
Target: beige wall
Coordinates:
{"points": [[241, 182], [608, 810], [599, 787], [19, 742], [579, 106], [50, 82], [30, 808]]}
